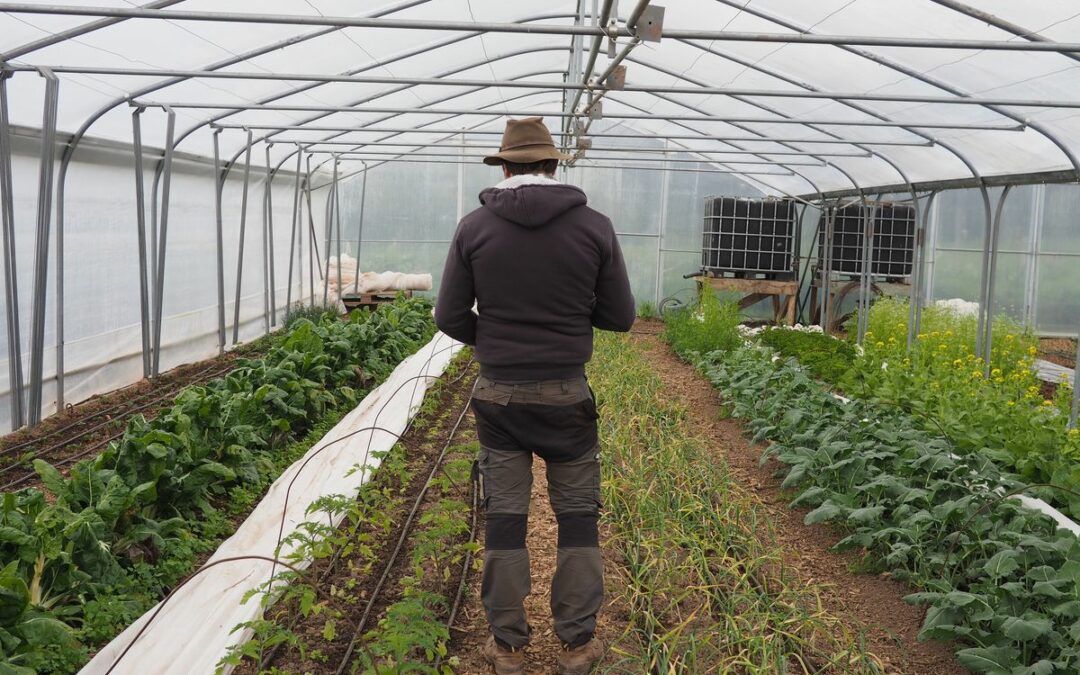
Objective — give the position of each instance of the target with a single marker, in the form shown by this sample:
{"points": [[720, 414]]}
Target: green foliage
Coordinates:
{"points": [[999, 578], [313, 313], [695, 549], [943, 384], [823, 355], [703, 327], [125, 526], [647, 310]]}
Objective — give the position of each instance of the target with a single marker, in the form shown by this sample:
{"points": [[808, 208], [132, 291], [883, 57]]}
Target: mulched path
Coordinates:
{"points": [[873, 602], [471, 630]]}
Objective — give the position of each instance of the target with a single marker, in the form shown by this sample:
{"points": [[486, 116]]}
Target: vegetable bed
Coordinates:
{"points": [[999, 578], [354, 609], [93, 550]]}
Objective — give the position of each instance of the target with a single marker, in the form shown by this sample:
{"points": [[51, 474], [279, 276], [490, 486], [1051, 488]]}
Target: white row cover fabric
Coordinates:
{"points": [[194, 628], [1051, 134]]}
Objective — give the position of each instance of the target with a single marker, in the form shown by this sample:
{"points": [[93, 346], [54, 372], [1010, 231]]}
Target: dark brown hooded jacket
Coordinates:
{"points": [[544, 269]]}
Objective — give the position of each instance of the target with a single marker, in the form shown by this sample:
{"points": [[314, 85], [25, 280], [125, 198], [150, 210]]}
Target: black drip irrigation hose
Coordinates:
{"points": [[466, 564], [269, 656], [100, 444], [161, 605], [273, 560], [56, 432], [343, 665]]}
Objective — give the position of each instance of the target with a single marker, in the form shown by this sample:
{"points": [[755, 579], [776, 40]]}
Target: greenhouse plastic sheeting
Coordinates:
{"points": [[191, 45], [411, 208], [194, 628]]}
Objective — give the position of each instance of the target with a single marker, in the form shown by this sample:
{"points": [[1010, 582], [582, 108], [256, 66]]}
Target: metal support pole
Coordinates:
{"points": [[360, 229], [337, 229], [922, 295], [243, 228], [985, 273], [988, 342], [1031, 281], [266, 237], [41, 244], [1076, 388], [140, 228], [163, 219], [292, 234], [331, 202], [219, 186], [665, 192], [916, 271], [865, 282], [826, 268], [11, 277], [313, 247]]}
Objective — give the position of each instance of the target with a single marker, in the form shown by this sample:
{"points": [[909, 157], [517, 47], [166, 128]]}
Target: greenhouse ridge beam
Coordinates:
{"points": [[375, 154], [652, 150], [493, 132], [555, 113], [406, 160], [493, 27]]}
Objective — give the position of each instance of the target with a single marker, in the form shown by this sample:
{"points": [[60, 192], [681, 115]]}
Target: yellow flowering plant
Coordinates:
{"points": [[1004, 415]]}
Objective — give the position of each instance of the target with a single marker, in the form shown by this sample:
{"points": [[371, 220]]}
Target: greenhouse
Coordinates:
{"points": [[248, 408]]}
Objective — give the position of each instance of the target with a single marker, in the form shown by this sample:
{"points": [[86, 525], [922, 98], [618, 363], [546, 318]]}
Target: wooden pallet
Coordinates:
{"points": [[370, 300]]}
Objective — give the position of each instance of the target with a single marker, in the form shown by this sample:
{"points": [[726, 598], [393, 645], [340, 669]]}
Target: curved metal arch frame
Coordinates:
{"points": [[79, 30]]}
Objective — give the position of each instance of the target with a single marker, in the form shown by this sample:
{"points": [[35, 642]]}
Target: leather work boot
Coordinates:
{"points": [[580, 660], [504, 661]]}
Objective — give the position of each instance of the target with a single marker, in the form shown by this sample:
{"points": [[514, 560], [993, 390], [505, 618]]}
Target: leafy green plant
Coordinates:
{"points": [[943, 384], [124, 526], [997, 576], [704, 326], [823, 355]]}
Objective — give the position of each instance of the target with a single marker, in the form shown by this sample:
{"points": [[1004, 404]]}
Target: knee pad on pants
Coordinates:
{"points": [[578, 529], [506, 531]]}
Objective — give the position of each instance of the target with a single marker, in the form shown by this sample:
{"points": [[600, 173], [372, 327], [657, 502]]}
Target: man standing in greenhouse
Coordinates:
{"points": [[543, 270]]}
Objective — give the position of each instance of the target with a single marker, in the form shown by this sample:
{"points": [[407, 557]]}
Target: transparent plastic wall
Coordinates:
{"points": [[1038, 269], [412, 209], [102, 328]]}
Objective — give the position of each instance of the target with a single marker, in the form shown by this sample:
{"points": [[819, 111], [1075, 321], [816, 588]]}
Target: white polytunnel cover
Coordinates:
{"points": [[379, 112]]}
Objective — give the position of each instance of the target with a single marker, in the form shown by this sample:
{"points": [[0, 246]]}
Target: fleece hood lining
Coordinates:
{"points": [[525, 179]]}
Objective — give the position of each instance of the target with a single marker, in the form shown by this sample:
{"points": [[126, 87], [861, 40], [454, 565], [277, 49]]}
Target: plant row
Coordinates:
{"points": [[706, 586], [312, 617], [998, 577], [97, 548]]}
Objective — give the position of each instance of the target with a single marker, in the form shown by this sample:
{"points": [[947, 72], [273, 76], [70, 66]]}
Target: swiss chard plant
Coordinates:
{"points": [[90, 551]]}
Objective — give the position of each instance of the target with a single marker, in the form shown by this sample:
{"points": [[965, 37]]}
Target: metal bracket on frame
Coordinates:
{"points": [[617, 80], [650, 26]]}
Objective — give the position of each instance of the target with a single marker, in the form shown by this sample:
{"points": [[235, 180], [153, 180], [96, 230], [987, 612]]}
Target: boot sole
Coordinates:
{"points": [[576, 670]]}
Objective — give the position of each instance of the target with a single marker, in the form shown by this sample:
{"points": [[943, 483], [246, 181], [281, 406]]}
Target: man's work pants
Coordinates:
{"points": [[556, 420]]}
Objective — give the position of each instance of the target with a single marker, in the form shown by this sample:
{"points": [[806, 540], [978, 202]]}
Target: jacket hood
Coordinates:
{"points": [[531, 203]]}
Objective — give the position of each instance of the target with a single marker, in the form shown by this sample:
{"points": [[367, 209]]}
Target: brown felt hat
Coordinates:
{"points": [[524, 142]]}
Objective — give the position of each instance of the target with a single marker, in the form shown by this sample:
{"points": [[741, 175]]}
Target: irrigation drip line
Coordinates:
{"points": [[183, 583], [56, 432], [400, 543], [269, 656], [467, 563], [367, 453], [105, 441]]}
